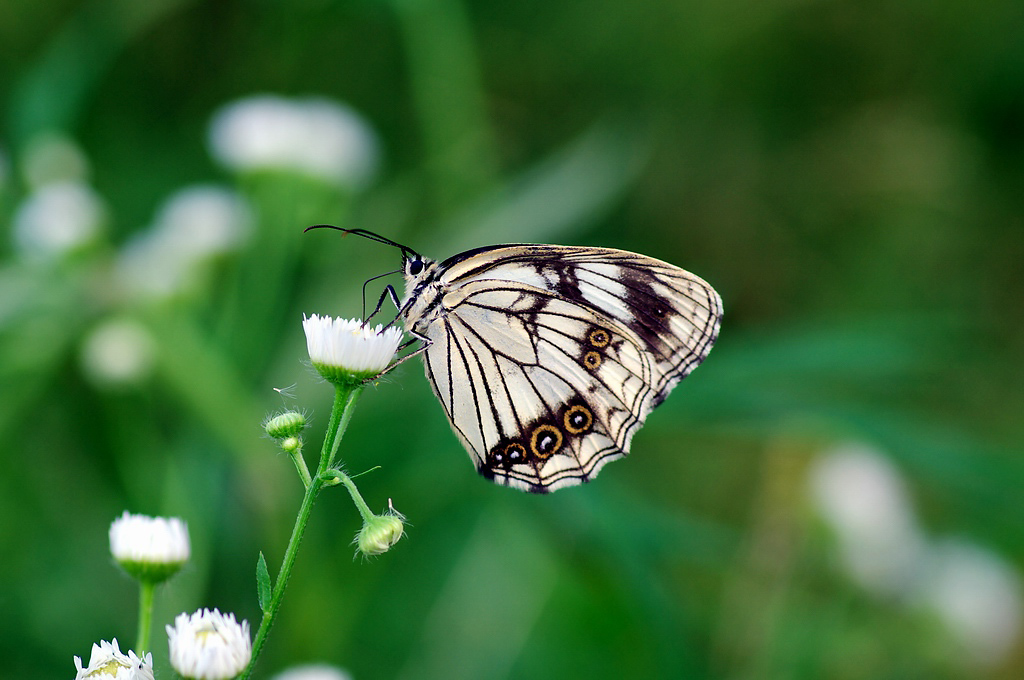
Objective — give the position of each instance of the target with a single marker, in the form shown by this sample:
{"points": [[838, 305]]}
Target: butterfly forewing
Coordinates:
{"points": [[547, 359]]}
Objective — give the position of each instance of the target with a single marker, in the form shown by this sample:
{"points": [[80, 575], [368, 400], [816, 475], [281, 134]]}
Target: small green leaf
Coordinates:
{"points": [[263, 583]]}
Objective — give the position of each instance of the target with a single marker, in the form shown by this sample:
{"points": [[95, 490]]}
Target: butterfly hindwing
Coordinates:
{"points": [[547, 359]]}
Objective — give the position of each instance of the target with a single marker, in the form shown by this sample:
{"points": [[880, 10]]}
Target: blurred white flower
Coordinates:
{"points": [[315, 136], [107, 661], [342, 347], [978, 596], [118, 352], [149, 548], [204, 220], [194, 224], [862, 497], [313, 672], [209, 645], [56, 219], [53, 157]]}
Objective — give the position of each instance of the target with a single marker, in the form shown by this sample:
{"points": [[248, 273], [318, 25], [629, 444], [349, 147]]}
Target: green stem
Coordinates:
{"points": [[300, 465], [146, 590], [357, 497], [344, 401]]}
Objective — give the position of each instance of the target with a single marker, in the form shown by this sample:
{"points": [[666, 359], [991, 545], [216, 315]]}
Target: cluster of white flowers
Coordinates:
{"points": [[150, 549], [209, 645], [108, 663], [315, 136], [976, 594]]}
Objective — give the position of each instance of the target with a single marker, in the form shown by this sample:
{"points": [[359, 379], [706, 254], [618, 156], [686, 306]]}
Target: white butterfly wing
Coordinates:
{"points": [[547, 359]]}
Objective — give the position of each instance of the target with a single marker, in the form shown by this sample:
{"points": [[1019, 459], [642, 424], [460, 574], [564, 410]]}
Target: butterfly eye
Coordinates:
{"points": [[415, 267]]}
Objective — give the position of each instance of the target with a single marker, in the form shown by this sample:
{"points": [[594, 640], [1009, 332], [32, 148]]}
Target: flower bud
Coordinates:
{"points": [[285, 425], [152, 549], [379, 533]]}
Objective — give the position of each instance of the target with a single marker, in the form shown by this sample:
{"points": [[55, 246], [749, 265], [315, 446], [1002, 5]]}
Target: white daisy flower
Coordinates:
{"points": [[108, 663], [346, 350], [314, 136], [149, 548], [209, 645]]}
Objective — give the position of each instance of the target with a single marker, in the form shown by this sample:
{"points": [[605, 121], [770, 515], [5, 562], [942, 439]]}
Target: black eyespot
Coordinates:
{"points": [[546, 440], [516, 453], [599, 337], [577, 419], [414, 267]]}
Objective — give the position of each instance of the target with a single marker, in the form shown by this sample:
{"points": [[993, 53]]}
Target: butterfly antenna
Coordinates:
{"points": [[406, 250]]}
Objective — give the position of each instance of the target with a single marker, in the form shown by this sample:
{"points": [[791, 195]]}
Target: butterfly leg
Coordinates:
{"points": [[388, 292], [427, 342], [367, 282]]}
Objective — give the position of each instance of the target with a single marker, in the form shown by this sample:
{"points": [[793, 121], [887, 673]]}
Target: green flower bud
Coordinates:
{"points": [[285, 425], [379, 533]]}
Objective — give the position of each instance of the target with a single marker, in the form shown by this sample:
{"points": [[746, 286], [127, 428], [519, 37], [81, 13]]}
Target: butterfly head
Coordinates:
{"points": [[415, 266]]}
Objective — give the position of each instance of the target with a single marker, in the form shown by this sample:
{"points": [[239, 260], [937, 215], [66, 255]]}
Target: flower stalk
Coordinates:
{"points": [[146, 592], [348, 354], [345, 397]]}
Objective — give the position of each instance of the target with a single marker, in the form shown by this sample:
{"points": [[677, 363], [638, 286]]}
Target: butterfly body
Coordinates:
{"points": [[547, 359]]}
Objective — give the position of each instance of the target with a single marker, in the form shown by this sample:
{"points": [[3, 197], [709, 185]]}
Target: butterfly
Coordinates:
{"points": [[547, 359]]}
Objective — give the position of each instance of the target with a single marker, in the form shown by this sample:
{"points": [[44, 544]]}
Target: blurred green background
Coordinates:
{"points": [[849, 175]]}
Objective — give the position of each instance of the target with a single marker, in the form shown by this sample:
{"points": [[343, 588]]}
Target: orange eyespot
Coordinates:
{"points": [[577, 419], [599, 337], [592, 360], [515, 453], [546, 440]]}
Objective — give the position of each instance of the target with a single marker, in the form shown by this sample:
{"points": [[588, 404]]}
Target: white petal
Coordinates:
{"points": [[349, 344]]}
